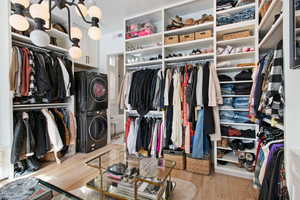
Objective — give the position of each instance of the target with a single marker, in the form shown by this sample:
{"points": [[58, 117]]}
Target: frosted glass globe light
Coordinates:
{"points": [[39, 11], [76, 33], [19, 22], [95, 33], [94, 11], [83, 10], [75, 52], [40, 38], [24, 3], [46, 5]]}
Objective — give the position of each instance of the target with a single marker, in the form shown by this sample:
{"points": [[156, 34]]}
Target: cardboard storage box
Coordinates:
{"points": [[203, 34], [172, 39], [177, 156], [187, 37]]}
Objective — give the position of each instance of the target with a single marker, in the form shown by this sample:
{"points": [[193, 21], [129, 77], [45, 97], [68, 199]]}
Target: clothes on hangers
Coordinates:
{"points": [[142, 90], [187, 88], [38, 132], [37, 77], [145, 134], [269, 140], [274, 184], [267, 94]]}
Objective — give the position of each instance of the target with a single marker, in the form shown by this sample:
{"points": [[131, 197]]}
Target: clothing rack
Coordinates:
{"points": [[151, 114], [31, 46], [178, 64], [39, 106], [145, 67]]}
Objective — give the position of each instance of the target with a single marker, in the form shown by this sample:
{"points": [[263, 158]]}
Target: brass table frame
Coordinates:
{"points": [[102, 171]]}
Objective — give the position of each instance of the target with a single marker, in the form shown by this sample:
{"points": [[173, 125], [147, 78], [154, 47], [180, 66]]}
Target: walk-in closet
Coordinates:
{"points": [[157, 100]]}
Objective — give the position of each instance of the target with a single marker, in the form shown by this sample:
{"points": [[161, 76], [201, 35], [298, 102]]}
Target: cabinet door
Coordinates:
{"points": [[92, 51]]}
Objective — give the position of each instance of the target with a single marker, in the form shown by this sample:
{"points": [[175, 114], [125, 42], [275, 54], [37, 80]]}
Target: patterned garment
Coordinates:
{"points": [[32, 83], [275, 94], [282, 184]]}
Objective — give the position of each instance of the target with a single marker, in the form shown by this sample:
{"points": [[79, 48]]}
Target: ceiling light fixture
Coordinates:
{"points": [[41, 13]]}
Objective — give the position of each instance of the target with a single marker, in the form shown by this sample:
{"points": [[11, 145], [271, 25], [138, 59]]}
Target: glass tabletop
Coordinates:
{"points": [[149, 183], [33, 188]]}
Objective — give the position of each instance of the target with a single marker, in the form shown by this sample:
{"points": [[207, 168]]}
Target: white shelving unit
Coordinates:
{"points": [[194, 9], [231, 158], [245, 40], [20, 40]]}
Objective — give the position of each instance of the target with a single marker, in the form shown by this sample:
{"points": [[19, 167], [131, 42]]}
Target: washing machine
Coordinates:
{"points": [[91, 131], [91, 91]]}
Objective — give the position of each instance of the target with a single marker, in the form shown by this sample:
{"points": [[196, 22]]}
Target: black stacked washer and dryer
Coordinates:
{"points": [[91, 110]]}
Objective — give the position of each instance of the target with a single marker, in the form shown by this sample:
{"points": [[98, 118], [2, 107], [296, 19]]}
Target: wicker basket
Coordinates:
{"points": [[172, 39], [203, 34], [240, 34], [187, 37], [198, 166], [177, 156]]}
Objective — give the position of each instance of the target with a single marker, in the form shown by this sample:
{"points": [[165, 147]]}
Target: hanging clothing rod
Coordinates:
{"points": [[31, 46], [153, 114], [190, 62], [146, 116], [145, 67], [40, 106]]}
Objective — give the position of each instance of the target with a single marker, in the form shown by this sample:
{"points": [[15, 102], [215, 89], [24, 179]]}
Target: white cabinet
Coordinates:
{"points": [[89, 49]]}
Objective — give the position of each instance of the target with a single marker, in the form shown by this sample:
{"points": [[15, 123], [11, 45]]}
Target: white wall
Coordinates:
{"points": [[110, 44], [292, 112], [5, 100]]}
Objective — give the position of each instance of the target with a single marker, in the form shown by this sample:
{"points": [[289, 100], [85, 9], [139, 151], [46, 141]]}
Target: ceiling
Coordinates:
{"points": [[114, 11]]}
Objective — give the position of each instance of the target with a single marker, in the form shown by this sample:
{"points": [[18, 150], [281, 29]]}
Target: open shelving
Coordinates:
{"points": [[235, 82], [229, 149], [145, 50], [236, 56], [144, 63], [270, 39], [239, 138], [232, 61], [239, 41], [229, 157], [267, 20], [190, 44], [250, 24], [23, 38], [195, 9], [234, 68], [204, 26], [235, 9], [189, 58]]}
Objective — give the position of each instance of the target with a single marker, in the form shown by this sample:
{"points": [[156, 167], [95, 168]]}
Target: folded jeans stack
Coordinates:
{"points": [[234, 117], [227, 89], [241, 102], [227, 103], [246, 14]]}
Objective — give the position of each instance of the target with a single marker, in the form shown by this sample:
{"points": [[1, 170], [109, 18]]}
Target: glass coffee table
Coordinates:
{"points": [[34, 189], [153, 181]]}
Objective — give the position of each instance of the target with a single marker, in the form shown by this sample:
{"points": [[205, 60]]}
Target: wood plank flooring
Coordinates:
{"points": [[73, 173]]}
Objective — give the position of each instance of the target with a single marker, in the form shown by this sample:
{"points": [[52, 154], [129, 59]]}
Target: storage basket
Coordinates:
{"points": [[240, 34], [177, 156], [198, 166], [203, 34], [187, 37], [172, 39]]}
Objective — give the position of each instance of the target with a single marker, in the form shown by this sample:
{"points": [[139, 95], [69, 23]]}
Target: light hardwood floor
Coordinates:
{"points": [[73, 173]]}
